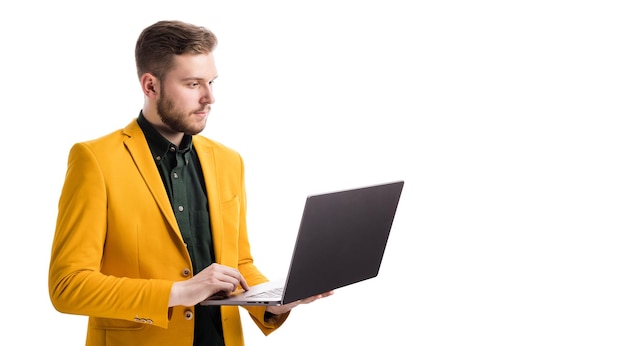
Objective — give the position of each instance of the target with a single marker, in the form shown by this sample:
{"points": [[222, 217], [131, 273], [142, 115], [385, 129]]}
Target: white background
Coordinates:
{"points": [[506, 119]]}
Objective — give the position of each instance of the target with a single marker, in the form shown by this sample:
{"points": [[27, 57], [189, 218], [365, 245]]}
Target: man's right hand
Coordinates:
{"points": [[214, 279]]}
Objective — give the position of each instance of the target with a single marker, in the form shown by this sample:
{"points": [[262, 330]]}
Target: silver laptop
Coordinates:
{"points": [[341, 241]]}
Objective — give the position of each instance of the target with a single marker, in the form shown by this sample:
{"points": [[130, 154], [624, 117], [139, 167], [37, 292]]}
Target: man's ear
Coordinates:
{"points": [[149, 84]]}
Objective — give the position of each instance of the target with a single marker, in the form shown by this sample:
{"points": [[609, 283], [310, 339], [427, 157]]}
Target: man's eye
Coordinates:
{"points": [[194, 84]]}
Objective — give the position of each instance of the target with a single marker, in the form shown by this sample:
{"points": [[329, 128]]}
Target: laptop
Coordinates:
{"points": [[341, 241]]}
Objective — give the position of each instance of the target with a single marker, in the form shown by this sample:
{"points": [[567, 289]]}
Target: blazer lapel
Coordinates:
{"points": [[139, 150]]}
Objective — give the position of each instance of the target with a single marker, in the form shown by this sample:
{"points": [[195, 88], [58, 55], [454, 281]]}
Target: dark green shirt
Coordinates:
{"points": [[183, 179]]}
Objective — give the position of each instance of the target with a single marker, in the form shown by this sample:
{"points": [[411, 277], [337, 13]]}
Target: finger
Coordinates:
{"points": [[244, 283], [240, 280], [234, 277]]}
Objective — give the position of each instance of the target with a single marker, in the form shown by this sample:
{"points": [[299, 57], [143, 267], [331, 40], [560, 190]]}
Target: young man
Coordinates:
{"points": [[152, 218]]}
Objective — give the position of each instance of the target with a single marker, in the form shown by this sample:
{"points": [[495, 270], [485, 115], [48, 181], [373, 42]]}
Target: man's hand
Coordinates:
{"points": [[281, 309], [213, 279]]}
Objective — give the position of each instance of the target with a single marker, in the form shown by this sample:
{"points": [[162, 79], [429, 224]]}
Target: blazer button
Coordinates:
{"points": [[188, 315], [186, 272]]}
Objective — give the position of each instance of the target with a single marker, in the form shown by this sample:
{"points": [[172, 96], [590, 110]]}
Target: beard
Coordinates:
{"points": [[175, 119]]}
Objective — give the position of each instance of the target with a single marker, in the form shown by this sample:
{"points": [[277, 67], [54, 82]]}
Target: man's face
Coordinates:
{"points": [[186, 93]]}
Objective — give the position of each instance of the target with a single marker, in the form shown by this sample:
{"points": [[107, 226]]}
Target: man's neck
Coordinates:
{"points": [[153, 118]]}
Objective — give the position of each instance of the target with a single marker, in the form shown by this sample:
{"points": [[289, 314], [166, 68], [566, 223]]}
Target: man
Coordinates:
{"points": [[152, 218]]}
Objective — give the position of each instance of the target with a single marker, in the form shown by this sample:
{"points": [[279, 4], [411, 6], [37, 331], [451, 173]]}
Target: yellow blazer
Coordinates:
{"points": [[117, 248]]}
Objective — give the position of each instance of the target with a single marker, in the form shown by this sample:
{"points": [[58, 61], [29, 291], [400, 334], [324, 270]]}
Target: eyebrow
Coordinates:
{"points": [[197, 79]]}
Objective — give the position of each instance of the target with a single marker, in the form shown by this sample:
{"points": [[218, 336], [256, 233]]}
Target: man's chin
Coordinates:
{"points": [[194, 131]]}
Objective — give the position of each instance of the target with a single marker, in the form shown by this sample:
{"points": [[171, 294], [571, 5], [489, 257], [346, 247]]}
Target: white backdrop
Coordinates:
{"points": [[505, 119]]}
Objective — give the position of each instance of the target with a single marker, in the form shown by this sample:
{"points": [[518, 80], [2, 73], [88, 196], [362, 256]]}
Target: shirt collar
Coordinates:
{"points": [[159, 145]]}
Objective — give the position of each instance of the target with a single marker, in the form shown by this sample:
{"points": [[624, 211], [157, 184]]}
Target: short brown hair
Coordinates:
{"points": [[160, 42]]}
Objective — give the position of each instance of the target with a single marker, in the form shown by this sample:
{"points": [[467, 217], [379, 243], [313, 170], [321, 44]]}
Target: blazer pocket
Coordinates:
{"points": [[114, 324]]}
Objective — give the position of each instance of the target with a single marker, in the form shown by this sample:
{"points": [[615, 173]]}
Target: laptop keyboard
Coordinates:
{"points": [[273, 293]]}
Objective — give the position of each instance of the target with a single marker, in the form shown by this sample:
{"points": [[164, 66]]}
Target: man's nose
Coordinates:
{"points": [[208, 96]]}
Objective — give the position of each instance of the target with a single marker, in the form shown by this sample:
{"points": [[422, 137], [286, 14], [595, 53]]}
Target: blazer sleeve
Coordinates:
{"points": [[231, 232], [75, 282], [252, 273]]}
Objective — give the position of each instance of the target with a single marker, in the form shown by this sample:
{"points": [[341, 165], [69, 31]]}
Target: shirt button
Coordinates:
{"points": [[188, 315], [186, 272], [180, 208], [175, 175], [172, 149], [158, 158]]}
